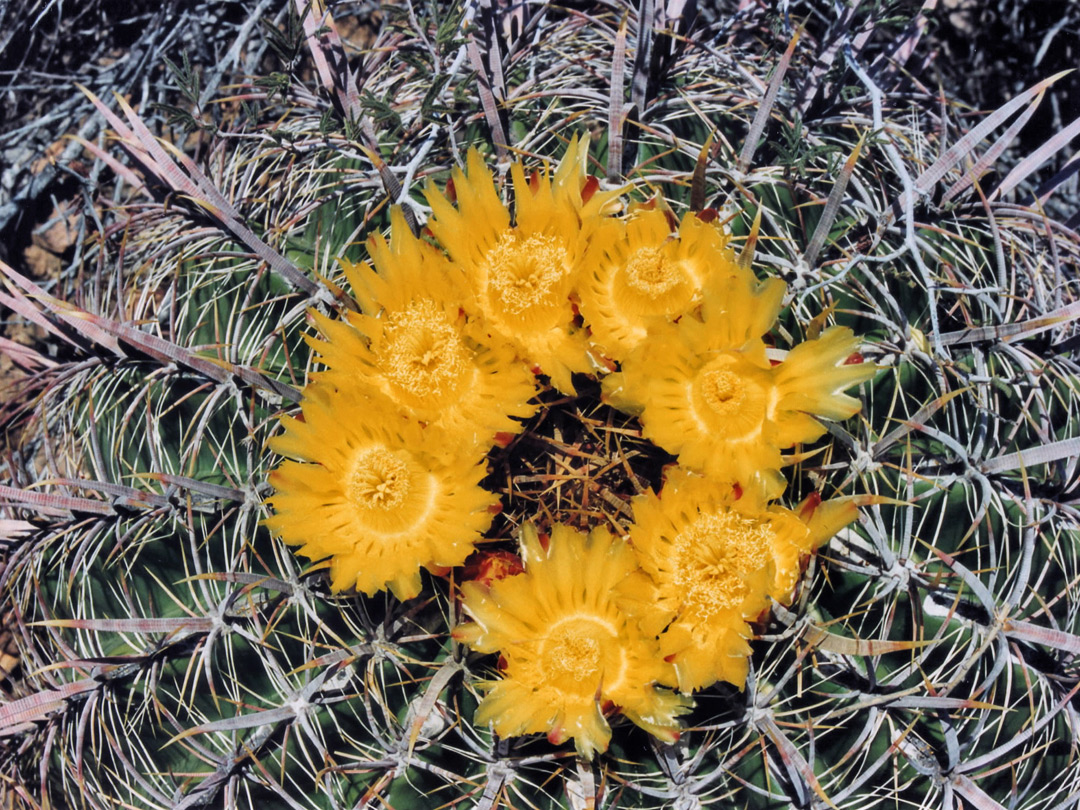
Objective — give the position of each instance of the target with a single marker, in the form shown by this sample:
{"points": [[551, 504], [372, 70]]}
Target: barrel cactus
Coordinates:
{"points": [[353, 477]]}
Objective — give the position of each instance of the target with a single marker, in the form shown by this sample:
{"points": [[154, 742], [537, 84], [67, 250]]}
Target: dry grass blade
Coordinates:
{"points": [[420, 712], [22, 305], [831, 642], [108, 334], [52, 504], [1029, 164], [145, 149], [129, 175], [1044, 454], [838, 34], [892, 61], [25, 357], [971, 793], [262, 717], [488, 100], [488, 14], [794, 761], [761, 117], [832, 206], [650, 13], [217, 369], [990, 157], [67, 313], [18, 714], [955, 153], [616, 118], [261, 581], [1068, 643], [749, 248], [698, 189], [1044, 191], [202, 487], [120, 493], [170, 627], [1021, 738], [324, 42], [1009, 332]]}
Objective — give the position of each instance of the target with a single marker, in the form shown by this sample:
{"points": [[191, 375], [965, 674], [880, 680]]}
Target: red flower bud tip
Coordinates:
{"points": [[545, 540], [590, 188], [708, 215], [736, 490], [503, 439], [809, 506], [854, 359], [486, 567], [534, 182], [451, 191]]}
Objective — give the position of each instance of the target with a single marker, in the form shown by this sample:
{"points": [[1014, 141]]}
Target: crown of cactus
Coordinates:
{"points": [[383, 488], [418, 447]]}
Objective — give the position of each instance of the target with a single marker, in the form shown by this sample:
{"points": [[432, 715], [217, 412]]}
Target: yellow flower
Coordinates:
{"points": [[524, 273], [639, 271], [711, 557], [366, 494], [707, 391], [415, 344], [569, 649], [407, 267]]}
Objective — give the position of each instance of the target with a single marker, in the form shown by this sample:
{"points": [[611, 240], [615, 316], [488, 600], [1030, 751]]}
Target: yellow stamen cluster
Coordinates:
{"points": [[450, 342]]}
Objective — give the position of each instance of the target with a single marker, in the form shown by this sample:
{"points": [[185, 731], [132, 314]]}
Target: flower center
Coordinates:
{"points": [[379, 480], [528, 273], [574, 656], [423, 354], [723, 390], [574, 650], [715, 555], [729, 397], [648, 272]]}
